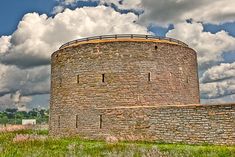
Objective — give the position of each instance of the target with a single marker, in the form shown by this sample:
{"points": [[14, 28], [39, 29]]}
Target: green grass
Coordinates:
{"points": [[74, 146]]}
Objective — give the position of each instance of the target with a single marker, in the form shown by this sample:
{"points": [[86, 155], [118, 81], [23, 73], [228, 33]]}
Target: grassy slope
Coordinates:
{"points": [[76, 147]]}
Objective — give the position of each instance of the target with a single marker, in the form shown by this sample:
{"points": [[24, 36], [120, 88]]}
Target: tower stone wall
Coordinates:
{"points": [[90, 78]]}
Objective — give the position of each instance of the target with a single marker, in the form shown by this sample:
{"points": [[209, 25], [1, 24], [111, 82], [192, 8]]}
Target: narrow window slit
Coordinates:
{"points": [[102, 77], [77, 78], [60, 77], [101, 122], [149, 77], [155, 47], [76, 121], [60, 81], [59, 121]]}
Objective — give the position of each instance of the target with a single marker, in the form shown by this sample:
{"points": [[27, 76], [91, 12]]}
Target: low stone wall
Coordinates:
{"points": [[193, 124]]}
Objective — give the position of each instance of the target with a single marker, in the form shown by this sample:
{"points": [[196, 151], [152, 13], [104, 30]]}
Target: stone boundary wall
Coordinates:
{"points": [[192, 124]]}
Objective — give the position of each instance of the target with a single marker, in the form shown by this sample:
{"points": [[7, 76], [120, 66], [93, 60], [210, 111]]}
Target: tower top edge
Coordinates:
{"points": [[123, 37]]}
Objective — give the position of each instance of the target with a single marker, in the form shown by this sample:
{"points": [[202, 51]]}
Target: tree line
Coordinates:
{"points": [[13, 116]]}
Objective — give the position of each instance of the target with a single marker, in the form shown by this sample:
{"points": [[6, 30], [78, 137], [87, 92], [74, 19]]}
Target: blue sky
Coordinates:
{"points": [[12, 11], [228, 27], [26, 72]]}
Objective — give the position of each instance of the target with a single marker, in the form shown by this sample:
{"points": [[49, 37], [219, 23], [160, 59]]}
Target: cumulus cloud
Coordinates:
{"points": [[20, 101], [218, 73], [6, 102], [209, 47], [220, 100], [131, 5], [58, 9], [67, 2], [218, 81], [173, 11], [14, 100], [164, 12], [4, 43], [217, 89], [31, 81], [123, 4], [62, 4], [37, 36]]}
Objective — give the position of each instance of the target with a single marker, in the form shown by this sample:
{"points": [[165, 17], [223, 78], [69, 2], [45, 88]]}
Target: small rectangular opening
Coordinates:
{"points": [[59, 121], [101, 121], [77, 78], [102, 77], [149, 77], [60, 81], [76, 121]]}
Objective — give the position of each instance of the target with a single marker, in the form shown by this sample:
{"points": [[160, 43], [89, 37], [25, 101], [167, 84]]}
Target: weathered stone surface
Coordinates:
{"points": [[131, 90], [126, 67], [213, 124]]}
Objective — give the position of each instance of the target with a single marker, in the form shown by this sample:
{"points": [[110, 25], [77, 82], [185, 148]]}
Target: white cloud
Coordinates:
{"points": [[164, 12], [216, 11], [14, 100], [123, 4], [209, 47], [20, 101], [6, 102], [67, 2], [58, 9], [38, 36], [220, 100], [218, 81], [4, 43], [31, 81], [217, 89], [176, 11], [62, 4], [220, 72]]}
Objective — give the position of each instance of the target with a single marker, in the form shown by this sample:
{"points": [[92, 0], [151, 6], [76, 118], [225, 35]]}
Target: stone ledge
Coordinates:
{"points": [[169, 106], [121, 40]]}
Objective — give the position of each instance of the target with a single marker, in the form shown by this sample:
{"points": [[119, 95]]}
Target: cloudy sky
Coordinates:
{"points": [[30, 31]]}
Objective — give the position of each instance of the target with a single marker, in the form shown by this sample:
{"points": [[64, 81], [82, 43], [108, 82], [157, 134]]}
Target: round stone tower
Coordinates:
{"points": [[120, 71]]}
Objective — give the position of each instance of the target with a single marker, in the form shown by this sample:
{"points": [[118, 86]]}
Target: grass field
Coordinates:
{"points": [[20, 144]]}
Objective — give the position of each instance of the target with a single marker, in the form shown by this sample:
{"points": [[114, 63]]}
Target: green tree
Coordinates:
{"points": [[4, 120], [11, 110]]}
